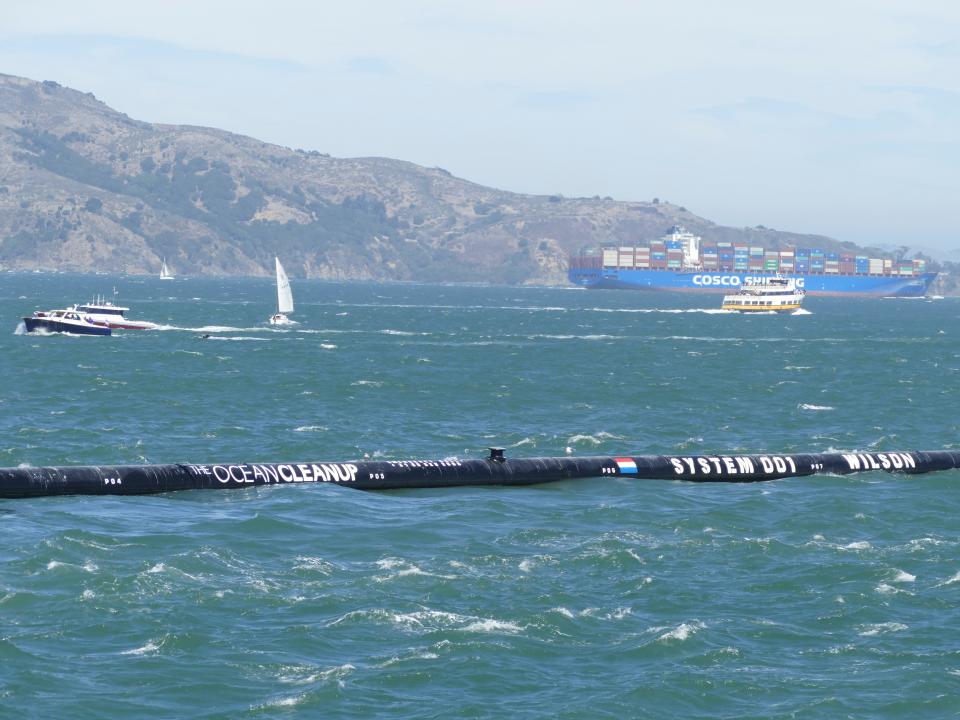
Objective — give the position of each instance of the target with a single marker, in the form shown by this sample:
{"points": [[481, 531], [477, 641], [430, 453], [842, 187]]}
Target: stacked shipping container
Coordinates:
{"points": [[727, 257]]}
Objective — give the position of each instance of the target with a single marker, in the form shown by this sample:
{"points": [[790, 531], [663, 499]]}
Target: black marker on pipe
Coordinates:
{"points": [[493, 470]]}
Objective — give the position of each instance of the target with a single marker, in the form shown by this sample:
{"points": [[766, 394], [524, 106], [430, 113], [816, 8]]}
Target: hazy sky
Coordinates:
{"points": [[839, 117]]}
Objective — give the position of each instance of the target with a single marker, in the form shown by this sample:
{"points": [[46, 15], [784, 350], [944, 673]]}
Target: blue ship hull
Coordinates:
{"points": [[730, 282]]}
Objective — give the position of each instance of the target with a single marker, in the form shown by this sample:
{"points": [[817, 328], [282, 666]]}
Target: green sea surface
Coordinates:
{"points": [[820, 597]]}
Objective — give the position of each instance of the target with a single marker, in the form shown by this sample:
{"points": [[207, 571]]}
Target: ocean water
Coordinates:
{"points": [[822, 597]]}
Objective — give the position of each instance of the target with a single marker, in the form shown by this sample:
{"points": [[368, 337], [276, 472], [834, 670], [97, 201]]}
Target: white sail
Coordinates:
{"points": [[165, 273], [284, 295]]}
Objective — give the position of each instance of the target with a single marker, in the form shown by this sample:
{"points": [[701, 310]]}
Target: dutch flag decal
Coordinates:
{"points": [[626, 465]]}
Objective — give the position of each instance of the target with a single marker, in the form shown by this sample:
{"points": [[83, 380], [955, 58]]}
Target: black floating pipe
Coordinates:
{"points": [[494, 470]]}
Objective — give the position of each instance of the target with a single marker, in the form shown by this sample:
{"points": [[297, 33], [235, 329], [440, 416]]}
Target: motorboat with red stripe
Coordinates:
{"points": [[103, 312]]}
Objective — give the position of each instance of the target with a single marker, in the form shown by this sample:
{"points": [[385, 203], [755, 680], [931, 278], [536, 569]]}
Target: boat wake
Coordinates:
{"points": [[213, 329], [665, 311], [801, 311], [237, 338]]}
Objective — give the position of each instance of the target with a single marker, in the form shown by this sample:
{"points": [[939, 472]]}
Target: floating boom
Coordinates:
{"points": [[493, 470]]}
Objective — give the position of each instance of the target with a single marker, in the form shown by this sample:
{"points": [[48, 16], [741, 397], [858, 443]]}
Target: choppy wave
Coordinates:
{"points": [[595, 439], [151, 647], [682, 632], [882, 629], [429, 620]]}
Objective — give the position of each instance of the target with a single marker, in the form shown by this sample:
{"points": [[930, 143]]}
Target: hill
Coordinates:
{"points": [[83, 187]]}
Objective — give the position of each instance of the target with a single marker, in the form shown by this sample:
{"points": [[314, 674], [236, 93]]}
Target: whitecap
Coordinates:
{"points": [[860, 545], [310, 428], [808, 406], [411, 570], [422, 655], [421, 618], [921, 543], [904, 577], [595, 439], [525, 441], [682, 631], [335, 672], [493, 626], [282, 702], [313, 563], [882, 629], [150, 647], [955, 578], [837, 649]]}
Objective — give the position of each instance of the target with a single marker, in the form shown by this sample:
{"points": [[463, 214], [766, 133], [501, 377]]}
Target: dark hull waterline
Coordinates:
{"points": [[494, 470], [72, 328]]}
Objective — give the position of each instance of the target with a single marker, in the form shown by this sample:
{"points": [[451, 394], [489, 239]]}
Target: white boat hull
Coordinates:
{"points": [[281, 319]]}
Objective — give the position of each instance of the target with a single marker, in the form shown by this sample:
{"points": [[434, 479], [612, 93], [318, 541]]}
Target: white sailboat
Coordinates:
{"points": [[284, 298], [165, 273]]}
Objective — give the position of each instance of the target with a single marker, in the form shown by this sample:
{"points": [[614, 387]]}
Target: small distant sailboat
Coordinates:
{"points": [[165, 273], [284, 298]]}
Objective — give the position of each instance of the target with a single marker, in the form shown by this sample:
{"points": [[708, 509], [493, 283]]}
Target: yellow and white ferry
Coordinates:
{"points": [[772, 294]]}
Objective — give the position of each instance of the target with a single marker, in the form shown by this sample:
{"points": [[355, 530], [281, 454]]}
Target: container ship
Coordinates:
{"points": [[680, 262]]}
